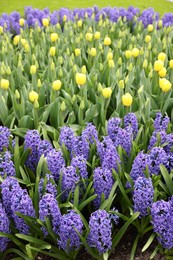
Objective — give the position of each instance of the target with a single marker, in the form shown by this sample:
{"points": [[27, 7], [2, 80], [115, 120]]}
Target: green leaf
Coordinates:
{"points": [[149, 241], [32, 239], [87, 201], [76, 196], [26, 122], [167, 178], [122, 230], [134, 247], [18, 252]]}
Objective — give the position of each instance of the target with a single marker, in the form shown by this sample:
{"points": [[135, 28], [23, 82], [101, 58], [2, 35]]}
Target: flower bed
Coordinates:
{"points": [[86, 131]]}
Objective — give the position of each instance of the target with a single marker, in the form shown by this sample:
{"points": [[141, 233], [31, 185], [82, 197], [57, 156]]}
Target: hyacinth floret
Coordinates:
{"points": [[44, 148], [90, 133], [102, 183], [143, 195], [100, 231], [157, 156], [47, 185], [162, 215], [6, 165], [158, 138], [70, 179], [48, 208], [80, 147], [66, 137], [22, 203], [140, 164], [113, 128], [55, 163], [80, 163], [161, 122], [4, 227], [69, 238], [131, 120], [4, 137], [114, 217], [32, 141], [8, 187], [124, 139]]}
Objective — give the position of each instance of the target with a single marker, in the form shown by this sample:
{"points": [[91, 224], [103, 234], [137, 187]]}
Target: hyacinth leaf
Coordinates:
{"points": [[76, 196], [29, 252], [87, 191], [38, 174], [49, 229], [105, 256], [167, 178], [132, 255], [108, 202], [14, 240], [82, 217], [149, 241], [58, 255], [24, 175], [17, 157], [18, 252], [24, 157], [122, 189], [87, 201], [19, 131], [155, 252], [122, 230], [32, 240], [3, 110]]}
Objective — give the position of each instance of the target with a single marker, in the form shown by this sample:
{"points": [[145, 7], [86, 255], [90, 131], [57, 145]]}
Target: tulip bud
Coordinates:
{"points": [[97, 35], [107, 41], [106, 92], [39, 83], [54, 37], [33, 69], [33, 96], [57, 85], [17, 94], [82, 105], [80, 79], [127, 99], [77, 52], [45, 22], [4, 84], [63, 106], [121, 84]]}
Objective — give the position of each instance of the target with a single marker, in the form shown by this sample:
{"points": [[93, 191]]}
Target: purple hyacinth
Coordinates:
{"points": [[108, 154], [48, 208], [22, 203], [102, 183], [80, 147], [90, 133], [100, 231], [161, 123], [70, 179], [32, 141], [162, 215], [47, 185], [55, 163], [4, 227], [6, 165], [8, 187], [169, 144], [113, 128], [167, 19], [148, 16], [157, 138], [80, 163], [66, 137], [114, 217], [4, 137], [139, 166], [143, 195], [124, 139], [131, 120], [69, 238], [44, 148], [157, 156]]}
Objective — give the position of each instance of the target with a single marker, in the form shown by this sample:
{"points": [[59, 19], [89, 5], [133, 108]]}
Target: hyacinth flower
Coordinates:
{"points": [[113, 128], [32, 141], [22, 203], [4, 137], [158, 138], [70, 224], [80, 147], [8, 187], [4, 227], [44, 148], [100, 231], [47, 185], [90, 133], [143, 195], [66, 137], [162, 221], [157, 156], [70, 179], [7, 168], [55, 163], [131, 120], [48, 208], [102, 183], [161, 122], [108, 154]]}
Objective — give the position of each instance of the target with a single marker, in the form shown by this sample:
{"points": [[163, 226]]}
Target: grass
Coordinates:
{"points": [[8, 6]]}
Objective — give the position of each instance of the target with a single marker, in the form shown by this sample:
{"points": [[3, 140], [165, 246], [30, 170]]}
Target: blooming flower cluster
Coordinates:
{"points": [[4, 227]]}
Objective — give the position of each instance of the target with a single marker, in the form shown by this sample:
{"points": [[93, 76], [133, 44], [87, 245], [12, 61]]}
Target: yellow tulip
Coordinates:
{"points": [[97, 35], [89, 37], [77, 52], [162, 72], [127, 99], [150, 28], [84, 70], [26, 47], [5, 84], [16, 39], [33, 96], [52, 51], [107, 41], [111, 64], [22, 22], [171, 64], [45, 22], [93, 52], [128, 54], [80, 79], [158, 65], [33, 69], [39, 83], [57, 85], [106, 92], [162, 56], [54, 37], [109, 56], [165, 84], [135, 52], [1, 29], [147, 38], [79, 23]]}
